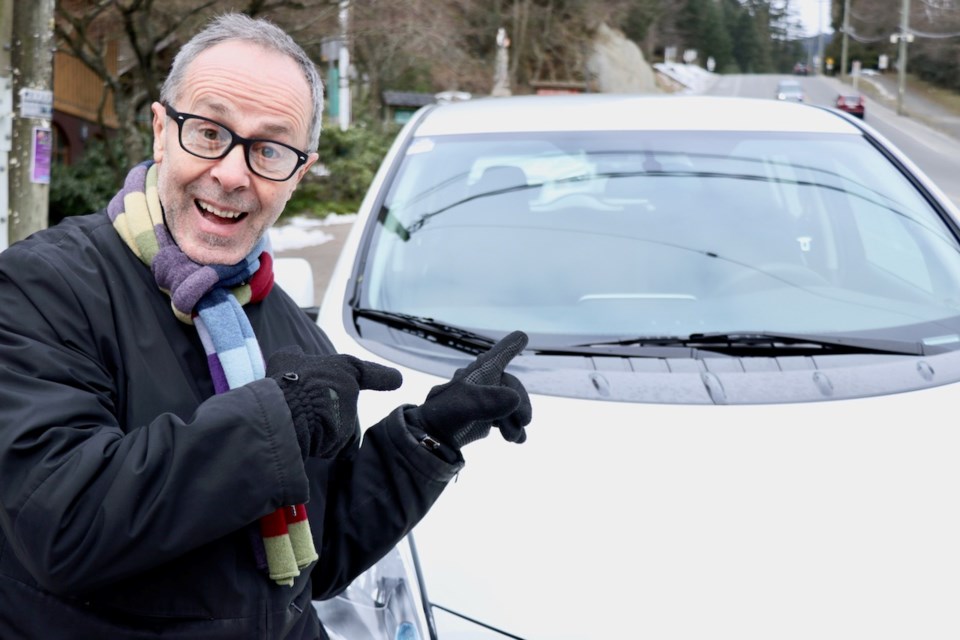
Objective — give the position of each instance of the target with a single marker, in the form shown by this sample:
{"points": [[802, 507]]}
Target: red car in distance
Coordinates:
{"points": [[854, 104]]}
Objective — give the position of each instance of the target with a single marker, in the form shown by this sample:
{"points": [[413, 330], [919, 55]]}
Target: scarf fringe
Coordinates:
{"points": [[288, 542]]}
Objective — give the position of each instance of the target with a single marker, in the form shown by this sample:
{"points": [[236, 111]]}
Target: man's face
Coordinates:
{"points": [[217, 210]]}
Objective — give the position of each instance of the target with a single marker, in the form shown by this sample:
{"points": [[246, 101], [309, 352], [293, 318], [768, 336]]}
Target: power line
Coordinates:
{"points": [[934, 36], [940, 5], [865, 39]]}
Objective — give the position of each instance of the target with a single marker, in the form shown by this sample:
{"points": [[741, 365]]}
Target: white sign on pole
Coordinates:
{"points": [[36, 103], [6, 115]]}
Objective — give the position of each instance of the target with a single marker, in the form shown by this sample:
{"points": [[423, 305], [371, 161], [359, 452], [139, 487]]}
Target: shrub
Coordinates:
{"points": [[348, 161], [88, 184]]}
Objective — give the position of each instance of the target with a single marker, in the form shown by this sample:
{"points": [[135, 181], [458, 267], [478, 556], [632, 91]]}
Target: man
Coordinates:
{"points": [[179, 447]]}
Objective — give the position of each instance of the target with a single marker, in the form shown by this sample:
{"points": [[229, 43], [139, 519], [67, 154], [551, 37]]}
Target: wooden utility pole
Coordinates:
{"points": [[904, 37], [32, 61], [820, 65], [844, 43]]}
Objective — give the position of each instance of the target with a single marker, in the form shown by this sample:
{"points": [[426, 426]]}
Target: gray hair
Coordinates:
{"points": [[238, 26]]}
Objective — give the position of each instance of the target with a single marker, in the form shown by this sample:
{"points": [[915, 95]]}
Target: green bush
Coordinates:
{"points": [[348, 161], [87, 185]]}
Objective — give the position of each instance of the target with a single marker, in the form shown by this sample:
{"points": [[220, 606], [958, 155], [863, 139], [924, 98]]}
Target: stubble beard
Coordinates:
{"points": [[200, 246]]}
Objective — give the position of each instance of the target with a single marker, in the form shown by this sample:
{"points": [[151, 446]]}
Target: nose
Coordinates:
{"points": [[231, 171]]}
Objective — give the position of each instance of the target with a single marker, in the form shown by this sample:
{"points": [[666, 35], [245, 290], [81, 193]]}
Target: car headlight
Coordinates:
{"points": [[383, 603]]}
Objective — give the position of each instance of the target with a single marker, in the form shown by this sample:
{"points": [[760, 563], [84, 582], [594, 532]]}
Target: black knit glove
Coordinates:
{"points": [[322, 392], [477, 398]]}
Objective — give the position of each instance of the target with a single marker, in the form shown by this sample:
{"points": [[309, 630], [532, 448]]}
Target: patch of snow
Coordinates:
{"points": [[695, 79], [304, 231]]}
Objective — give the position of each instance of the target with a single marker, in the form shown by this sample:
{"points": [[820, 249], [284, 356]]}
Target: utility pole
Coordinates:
{"points": [[820, 37], [904, 37], [6, 115], [344, 65], [32, 57], [844, 40]]}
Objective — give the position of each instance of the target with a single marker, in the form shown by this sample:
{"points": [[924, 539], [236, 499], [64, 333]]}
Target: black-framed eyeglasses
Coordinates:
{"points": [[208, 139]]}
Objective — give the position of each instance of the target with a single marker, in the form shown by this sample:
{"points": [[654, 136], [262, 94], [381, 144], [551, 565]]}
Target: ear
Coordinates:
{"points": [[298, 176], [302, 171], [159, 127]]}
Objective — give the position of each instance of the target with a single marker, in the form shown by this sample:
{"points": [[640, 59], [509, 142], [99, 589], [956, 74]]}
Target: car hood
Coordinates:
{"points": [[813, 519]]}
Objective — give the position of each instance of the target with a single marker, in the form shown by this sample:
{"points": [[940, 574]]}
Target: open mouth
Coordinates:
{"points": [[219, 216]]}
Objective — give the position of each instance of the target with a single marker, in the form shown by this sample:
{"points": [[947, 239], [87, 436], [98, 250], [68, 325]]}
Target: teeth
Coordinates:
{"points": [[219, 212]]}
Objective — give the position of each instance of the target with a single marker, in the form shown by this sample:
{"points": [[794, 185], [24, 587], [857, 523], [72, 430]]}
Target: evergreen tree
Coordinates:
{"points": [[760, 11], [746, 51], [713, 35]]}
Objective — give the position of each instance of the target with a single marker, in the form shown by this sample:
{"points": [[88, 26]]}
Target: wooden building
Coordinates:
{"points": [[82, 106]]}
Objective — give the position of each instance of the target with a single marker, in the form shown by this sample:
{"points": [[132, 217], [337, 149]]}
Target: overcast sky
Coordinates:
{"points": [[809, 12]]}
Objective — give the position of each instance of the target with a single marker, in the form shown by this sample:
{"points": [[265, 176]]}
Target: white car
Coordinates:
{"points": [[744, 356], [790, 90]]}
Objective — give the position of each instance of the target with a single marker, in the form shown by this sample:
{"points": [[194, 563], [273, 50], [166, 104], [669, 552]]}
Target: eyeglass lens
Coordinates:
{"points": [[210, 140]]}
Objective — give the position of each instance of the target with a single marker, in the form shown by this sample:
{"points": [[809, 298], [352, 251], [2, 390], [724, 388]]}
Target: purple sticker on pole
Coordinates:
{"points": [[41, 154]]}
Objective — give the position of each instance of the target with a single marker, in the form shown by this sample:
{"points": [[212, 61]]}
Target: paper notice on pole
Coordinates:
{"points": [[36, 103], [40, 155]]}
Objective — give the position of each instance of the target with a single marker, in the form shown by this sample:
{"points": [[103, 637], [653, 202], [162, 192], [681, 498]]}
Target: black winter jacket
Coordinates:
{"points": [[129, 491]]}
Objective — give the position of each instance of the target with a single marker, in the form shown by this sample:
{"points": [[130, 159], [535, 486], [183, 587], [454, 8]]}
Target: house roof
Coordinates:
{"points": [[407, 99]]}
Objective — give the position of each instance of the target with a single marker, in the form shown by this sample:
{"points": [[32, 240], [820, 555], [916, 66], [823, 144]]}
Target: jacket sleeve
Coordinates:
{"points": [[365, 501], [369, 502], [86, 500]]}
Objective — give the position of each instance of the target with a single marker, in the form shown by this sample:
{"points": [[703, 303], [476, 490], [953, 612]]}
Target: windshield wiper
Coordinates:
{"points": [[766, 343], [429, 329]]}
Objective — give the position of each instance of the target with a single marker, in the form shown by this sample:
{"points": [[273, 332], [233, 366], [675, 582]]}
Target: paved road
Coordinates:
{"points": [[928, 133], [322, 257], [916, 105]]}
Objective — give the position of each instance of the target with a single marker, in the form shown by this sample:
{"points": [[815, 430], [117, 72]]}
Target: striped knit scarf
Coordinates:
{"points": [[211, 297]]}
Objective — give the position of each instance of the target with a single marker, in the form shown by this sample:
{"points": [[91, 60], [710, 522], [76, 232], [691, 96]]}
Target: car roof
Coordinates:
{"points": [[627, 112]]}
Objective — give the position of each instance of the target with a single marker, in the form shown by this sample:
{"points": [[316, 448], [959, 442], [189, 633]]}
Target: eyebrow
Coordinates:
{"points": [[270, 129]]}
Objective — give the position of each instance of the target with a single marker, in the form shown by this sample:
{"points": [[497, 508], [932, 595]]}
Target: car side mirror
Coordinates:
{"points": [[295, 277]]}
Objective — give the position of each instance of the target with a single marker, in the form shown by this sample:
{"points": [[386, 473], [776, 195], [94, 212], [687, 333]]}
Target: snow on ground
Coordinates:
{"points": [[695, 79], [305, 231]]}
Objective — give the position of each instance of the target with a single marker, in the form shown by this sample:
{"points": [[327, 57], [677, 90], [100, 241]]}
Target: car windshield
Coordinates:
{"points": [[587, 236]]}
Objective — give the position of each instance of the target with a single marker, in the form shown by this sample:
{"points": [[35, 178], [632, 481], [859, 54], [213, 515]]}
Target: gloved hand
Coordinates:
{"points": [[479, 396], [322, 392]]}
